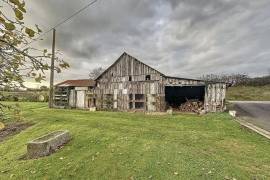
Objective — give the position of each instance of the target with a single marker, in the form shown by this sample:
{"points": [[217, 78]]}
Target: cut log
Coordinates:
{"points": [[191, 106]]}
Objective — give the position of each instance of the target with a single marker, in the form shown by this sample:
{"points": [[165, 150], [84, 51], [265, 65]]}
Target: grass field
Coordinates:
{"points": [[249, 93], [109, 145]]}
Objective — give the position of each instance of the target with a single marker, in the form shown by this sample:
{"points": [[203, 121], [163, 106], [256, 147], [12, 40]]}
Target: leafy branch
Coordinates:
{"points": [[18, 62]]}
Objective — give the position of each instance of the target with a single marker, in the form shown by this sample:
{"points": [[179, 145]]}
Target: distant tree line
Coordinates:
{"points": [[238, 79], [18, 89], [25, 95], [258, 81]]}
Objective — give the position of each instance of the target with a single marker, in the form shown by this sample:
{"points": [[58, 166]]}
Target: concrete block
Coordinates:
{"points": [[202, 112], [92, 109], [232, 113], [170, 111], [45, 145]]}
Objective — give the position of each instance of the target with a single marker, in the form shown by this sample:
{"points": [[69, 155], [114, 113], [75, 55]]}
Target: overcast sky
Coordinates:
{"points": [[185, 38]]}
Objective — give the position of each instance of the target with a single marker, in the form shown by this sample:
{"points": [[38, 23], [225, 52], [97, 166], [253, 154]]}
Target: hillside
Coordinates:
{"points": [[249, 93]]}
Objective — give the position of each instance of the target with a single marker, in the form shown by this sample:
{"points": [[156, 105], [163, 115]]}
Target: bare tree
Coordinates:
{"points": [[232, 79], [238, 79], [94, 73]]}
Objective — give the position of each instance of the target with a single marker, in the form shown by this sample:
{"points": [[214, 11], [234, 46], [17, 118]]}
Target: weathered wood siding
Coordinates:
{"points": [[118, 87], [125, 77], [214, 99]]}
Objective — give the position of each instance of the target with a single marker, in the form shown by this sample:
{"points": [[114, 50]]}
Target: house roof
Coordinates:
{"points": [[77, 83]]}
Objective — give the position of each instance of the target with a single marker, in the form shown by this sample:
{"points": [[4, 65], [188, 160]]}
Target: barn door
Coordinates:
{"points": [[72, 99], [80, 99], [151, 99]]}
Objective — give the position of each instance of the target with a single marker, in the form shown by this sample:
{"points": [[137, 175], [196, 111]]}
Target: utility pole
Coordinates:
{"points": [[52, 72]]}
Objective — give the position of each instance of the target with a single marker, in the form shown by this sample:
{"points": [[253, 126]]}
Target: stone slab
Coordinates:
{"points": [[47, 144]]}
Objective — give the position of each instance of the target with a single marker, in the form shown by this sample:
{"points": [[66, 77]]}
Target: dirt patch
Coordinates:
{"points": [[13, 128]]}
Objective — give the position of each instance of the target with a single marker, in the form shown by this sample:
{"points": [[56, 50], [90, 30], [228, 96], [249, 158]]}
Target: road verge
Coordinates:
{"points": [[253, 128]]}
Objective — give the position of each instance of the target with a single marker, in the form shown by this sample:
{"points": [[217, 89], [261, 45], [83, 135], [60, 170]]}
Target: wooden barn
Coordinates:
{"points": [[130, 85]]}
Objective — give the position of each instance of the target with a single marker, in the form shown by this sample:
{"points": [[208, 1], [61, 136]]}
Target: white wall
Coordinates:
{"points": [[80, 99]]}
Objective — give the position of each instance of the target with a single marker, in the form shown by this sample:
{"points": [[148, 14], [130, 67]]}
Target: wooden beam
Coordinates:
{"points": [[52, 71]]}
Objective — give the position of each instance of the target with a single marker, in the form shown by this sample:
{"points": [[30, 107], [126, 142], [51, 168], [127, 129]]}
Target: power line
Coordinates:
{"points": [[62, 22], [76, 13]]}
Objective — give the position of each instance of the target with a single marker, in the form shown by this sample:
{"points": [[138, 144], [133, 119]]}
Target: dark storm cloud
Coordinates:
{"points": [[179, 37]]}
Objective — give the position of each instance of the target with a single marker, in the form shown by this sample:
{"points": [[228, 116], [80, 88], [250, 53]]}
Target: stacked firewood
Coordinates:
{"points": [[191, 106]]}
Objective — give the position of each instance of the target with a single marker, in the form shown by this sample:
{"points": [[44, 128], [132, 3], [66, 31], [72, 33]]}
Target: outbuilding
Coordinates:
{"points": [[130, 85], [74, 94]]}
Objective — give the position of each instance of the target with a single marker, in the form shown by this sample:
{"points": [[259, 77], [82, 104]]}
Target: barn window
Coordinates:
{"points": [[147, 77], [139, 101], [139, 105], [108, 101], [139, 96], [130, 78], [130, 97], [136, 101], [130, 105]]}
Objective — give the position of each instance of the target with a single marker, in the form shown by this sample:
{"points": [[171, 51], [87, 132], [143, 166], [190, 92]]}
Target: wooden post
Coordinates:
{"points": [[52, 72]]}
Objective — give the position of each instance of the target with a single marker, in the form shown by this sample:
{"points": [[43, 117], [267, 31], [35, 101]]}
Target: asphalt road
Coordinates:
{"points": [[255, 112]]}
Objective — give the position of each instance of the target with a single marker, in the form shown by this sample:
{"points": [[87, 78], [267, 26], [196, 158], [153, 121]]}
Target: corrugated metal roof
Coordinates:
{"points": [[77, 83]]}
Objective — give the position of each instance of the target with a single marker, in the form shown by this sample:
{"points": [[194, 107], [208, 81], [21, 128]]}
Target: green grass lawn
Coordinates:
{"points": [[249, 93], [109, 145]]}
